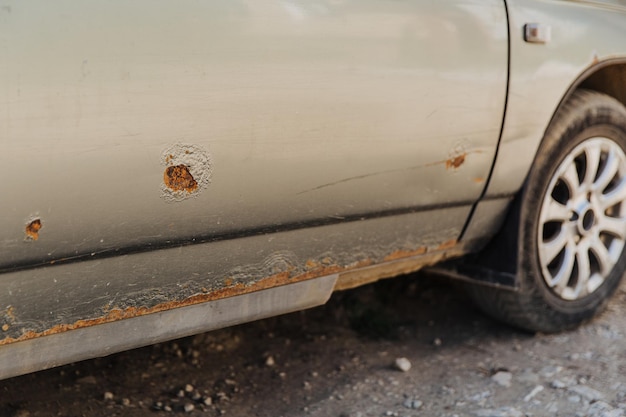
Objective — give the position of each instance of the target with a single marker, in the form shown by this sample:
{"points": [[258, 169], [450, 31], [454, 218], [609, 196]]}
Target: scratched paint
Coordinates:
{"points": [[188, 170]]}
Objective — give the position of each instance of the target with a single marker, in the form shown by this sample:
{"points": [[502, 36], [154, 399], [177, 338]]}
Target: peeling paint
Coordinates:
{"points": [[10, 313], [188, 170], [114, 313], [356, 273], [310, 264], [8, 318], [32, 229]]}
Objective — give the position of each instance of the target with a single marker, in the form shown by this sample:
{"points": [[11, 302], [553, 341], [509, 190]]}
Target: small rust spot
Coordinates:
{"points": [[178, 178], [456, 161], [32, 229], [11, 313], [479, 180], [311, 264], [447, 244], [399, 254]]}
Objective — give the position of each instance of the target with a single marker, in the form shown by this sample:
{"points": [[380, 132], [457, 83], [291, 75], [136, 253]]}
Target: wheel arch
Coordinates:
{"points": [[607, 76]]}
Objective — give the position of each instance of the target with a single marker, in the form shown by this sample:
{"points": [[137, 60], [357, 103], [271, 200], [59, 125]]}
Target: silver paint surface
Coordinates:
{"points": [[309, 111]]}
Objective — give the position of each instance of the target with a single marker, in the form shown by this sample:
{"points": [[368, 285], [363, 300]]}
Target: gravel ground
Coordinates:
{"points": [[413, 346]]}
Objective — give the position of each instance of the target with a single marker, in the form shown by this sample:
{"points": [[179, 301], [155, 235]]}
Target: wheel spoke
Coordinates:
{"points": [[592, 156], [602, 255], [609, 171], [555, 211], [570, 177], [553, 247], [563, 276], [584, 270], [613, 226], [617, 195]]}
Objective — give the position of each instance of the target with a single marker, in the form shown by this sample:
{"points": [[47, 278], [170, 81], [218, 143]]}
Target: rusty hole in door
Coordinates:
{"points": [[32, 229], [178, 178]]}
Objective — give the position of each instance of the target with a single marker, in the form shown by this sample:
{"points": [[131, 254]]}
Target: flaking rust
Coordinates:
{"points": [[352, 275], [178, 178], [114, 313], [32, 229]]}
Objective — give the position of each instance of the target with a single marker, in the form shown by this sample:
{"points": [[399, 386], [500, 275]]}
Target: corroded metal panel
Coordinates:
{"points": [[66, 296]]}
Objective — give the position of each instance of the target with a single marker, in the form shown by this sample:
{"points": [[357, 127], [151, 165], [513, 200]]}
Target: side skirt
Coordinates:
{"points": [[71, 346]]}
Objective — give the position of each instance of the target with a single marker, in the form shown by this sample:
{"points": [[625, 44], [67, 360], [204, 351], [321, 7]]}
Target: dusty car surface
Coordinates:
{"points": [[174, 167]]}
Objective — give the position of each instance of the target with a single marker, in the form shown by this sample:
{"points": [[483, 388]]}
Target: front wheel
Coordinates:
{"points": [[572, 220]]}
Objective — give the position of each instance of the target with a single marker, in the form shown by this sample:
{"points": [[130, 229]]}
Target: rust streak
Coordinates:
{"points": [[311, 264], [178, 178], [399, 254], [447, 244], [353, 278], [32, 229], [115, 314]]}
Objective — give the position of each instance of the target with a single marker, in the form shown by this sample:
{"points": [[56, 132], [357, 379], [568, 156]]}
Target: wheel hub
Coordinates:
{"points": [[585, 218]]}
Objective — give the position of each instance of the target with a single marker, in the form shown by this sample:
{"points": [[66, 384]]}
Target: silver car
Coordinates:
{"points": [[174, 167]]}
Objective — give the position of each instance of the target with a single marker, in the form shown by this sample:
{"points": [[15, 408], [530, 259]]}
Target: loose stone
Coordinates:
{"points": [[402, 364]]}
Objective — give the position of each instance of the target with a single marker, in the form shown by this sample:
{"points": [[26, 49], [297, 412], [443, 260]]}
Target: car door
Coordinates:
{"points": [[135, 125], [164, 163]]}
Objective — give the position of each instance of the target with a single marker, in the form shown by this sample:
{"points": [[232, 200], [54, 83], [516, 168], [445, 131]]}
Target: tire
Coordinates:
{"points": [[571, 220]]}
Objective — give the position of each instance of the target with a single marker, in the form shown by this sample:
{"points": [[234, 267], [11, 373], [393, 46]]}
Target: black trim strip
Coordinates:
{"points": [[194, 240]]}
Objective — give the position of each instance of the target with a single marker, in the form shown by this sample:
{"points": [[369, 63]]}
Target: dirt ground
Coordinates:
{"points": [[340, 360]]}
